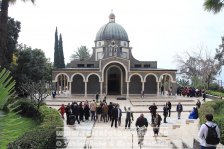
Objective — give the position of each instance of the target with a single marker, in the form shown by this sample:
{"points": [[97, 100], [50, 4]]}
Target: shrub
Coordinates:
{"points": [[25, 108], [216, 108], [215, 93], [44, 136]]}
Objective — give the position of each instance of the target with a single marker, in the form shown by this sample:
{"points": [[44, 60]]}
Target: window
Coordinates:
{"points": [[90, 65], [81, 65], [147, 66], [99, 43], [137, 65], [124, 43]]}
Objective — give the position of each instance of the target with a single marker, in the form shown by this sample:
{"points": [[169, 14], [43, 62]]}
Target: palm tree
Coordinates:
{"points": [[3, 29], [214, 5]]}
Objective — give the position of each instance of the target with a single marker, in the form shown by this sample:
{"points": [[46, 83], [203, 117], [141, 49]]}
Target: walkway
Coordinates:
{"points": [[100, 135]]}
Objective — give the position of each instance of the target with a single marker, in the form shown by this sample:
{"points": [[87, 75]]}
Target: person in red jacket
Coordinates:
{"points": [[62, 110]]}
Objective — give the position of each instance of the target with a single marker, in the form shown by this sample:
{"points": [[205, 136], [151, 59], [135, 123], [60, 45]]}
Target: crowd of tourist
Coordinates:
{"points": [[96, 111], [190, 92]]}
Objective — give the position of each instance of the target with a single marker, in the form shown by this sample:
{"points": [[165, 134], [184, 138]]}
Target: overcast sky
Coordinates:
{"points": [[157, 29]]}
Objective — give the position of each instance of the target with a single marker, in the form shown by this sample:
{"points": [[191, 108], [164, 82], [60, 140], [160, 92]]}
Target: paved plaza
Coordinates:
{"points": [[100, 135]]}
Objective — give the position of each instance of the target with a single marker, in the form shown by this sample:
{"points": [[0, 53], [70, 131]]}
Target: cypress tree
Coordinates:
{"points": [[56, 50], [61, 53]]}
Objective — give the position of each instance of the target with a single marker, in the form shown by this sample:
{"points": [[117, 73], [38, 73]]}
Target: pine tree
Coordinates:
{"points": [[56, 50], [61, 53]]}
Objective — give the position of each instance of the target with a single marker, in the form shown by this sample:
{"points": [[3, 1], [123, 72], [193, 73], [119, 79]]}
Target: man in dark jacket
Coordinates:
{"points": [[75, 111], [165, 112], [141, 124], [114, 116], [169, 107], [179, 109], [68, 112], [152, 110], [110, 107]]}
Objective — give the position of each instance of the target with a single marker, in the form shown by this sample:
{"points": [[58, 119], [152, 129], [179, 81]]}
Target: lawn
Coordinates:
{"points": [[12, 126]]}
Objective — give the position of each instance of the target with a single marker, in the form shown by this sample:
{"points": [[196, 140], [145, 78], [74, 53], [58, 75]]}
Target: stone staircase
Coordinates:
{"points": [[174, 134], [104, 136]]}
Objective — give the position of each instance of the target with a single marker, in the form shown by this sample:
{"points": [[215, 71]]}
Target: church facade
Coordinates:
{"points": [[112, 69]]}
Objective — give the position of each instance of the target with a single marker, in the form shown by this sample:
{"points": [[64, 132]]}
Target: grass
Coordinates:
{"points": [[13, 126]]}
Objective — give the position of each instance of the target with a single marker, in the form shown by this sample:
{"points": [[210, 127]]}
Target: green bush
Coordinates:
{"points": [[215, 93], [217, 109], [24, 107], [44, 136]]}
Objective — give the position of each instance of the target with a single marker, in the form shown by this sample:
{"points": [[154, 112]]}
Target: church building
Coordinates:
{"points": [[112, 69]]}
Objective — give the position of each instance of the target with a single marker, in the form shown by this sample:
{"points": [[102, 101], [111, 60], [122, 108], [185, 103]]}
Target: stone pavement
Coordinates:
{"points": [[100, 135]]}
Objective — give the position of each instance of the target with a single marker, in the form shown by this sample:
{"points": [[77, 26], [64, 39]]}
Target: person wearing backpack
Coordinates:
{"points": [[209, 133]]}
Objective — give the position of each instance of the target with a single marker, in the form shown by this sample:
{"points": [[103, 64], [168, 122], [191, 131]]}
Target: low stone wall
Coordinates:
{"points": [[196, 145], [212, 97]]}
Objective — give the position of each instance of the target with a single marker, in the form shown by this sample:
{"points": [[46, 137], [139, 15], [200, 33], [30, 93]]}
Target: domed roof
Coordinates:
{"points": [[112, 30]]}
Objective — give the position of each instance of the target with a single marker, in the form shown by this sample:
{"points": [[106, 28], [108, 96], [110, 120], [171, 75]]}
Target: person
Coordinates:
{"points": [[99, 112], [93, 110], [105, 112], [97, 97], [141, 124], [110, 107], [81, 112], [62, 111], [152, 110], [203, 132], [86, 110], [129, 117], [119, 115], [169, 107], [68, 112], [162, 90], [193, 114], [142, 94], [165, 112], [198, 104], [156, 124], [203, 95], [179, 109], [170, 91], [75, 111], [53, 94], [114, 115]]}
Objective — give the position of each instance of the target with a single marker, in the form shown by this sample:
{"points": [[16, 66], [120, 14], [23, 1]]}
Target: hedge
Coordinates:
{"points": [[217, 109], [44, 136], [215, 93]]}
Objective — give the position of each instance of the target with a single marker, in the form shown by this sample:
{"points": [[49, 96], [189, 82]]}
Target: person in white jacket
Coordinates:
{"points": [[204, 131]]}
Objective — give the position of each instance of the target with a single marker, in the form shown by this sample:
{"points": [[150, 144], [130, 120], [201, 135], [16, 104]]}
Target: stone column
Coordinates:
{"points": [[158, 88], [127, 96], [101, 89], [61, 83], [70, 89], [85, 88], [58, 87], [64, 82], [143, 86]]}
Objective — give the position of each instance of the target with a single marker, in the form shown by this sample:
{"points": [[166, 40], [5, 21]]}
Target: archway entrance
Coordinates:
{"points": [[114, 75]]}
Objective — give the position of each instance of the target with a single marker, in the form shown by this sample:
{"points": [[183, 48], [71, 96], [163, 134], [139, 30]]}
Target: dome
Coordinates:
{"points": [[112, 30]]}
